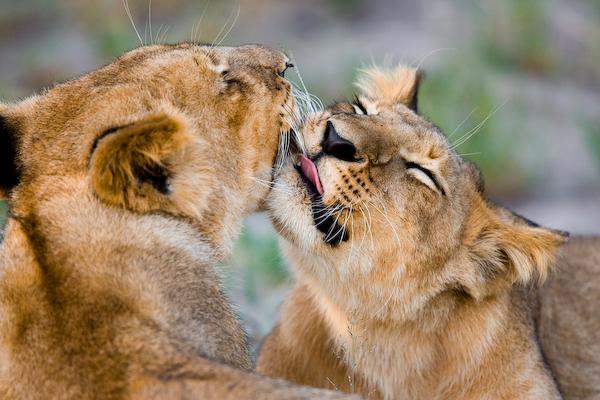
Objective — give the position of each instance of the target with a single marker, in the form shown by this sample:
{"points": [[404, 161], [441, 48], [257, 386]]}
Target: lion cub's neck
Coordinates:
{"points": [[97, 263], [454, 346]]}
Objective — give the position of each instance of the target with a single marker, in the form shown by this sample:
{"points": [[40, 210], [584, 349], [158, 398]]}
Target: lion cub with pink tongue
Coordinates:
{"points": [[410, 283]]}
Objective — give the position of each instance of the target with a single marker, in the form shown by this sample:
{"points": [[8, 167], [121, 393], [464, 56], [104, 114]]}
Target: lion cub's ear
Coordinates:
{"points": [[9, 168], [511, 249], [136, 165], [382, 87]]}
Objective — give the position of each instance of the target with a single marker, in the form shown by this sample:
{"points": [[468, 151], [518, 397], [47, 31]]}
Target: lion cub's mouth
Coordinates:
{"points": [[324, 217], [309, 170]]}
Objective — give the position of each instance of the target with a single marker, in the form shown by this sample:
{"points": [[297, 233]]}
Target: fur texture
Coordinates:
{"points": [[424, 296], [132, 183], [568, 320]]}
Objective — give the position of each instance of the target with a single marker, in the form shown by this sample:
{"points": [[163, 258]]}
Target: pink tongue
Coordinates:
{"points": [[309, 170]]}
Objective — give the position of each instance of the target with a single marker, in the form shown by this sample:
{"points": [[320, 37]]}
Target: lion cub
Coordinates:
{"points": [[410, 283], [126, 186]]}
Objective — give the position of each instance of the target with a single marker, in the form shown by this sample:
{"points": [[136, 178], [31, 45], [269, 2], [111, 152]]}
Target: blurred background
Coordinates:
{"points": [[522, 75]]}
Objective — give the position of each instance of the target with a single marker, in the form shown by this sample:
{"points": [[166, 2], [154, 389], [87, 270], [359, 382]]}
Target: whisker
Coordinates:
{"points": [[282, 150], [463, 139], [155, 40], [329, 213], [198, 24], [462, 122], [426, 56], [333, 226], [295, 124], [370, 229], [343, 226], [273, 186], [239, 7], [165, 36], [350, 253], [389, 223], [150, 19], [466, 154], [128, 12]]}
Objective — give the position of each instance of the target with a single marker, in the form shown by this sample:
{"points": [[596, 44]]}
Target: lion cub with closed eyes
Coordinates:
{"points": [[410, 283]]}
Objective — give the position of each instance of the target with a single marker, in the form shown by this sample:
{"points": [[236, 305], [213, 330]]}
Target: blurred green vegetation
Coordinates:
{"points": [[516, 37], [257, 257]]}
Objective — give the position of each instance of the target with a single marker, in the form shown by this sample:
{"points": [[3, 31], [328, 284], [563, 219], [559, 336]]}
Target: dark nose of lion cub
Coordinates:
{"points": [[336, 146]]}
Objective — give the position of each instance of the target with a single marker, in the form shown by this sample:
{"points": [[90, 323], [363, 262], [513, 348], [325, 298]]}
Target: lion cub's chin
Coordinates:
{"points": [[426, 295]]}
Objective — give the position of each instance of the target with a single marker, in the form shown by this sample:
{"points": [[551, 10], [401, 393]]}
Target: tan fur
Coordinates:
{"points": [[569, 319], [427, 299], [133, 182]]}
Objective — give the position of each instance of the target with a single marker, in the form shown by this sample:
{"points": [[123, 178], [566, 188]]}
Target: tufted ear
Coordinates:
{"points": [[508, 249], [137, 165], [382, 87], [9, 166]]}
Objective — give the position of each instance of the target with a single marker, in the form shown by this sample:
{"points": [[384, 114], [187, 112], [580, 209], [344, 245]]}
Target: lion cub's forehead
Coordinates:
{"points": [[250, 55], [421, 136], [410, 133], [395, 132], [220, 59]]}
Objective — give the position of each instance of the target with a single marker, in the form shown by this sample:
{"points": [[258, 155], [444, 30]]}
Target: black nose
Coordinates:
{"points": [[336, 146]]}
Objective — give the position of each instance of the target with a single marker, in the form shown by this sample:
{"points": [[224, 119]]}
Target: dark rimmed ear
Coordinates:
{"points": [[382, 87], [413, 104], [133, 165], [508, 249], [10, 172]]}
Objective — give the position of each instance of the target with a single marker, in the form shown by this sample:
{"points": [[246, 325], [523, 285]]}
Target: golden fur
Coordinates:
{"points": [[410, 284], [568, 319], [126, 186]]}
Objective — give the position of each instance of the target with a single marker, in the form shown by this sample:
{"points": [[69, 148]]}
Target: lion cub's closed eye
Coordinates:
{"points": [[410, 283]]}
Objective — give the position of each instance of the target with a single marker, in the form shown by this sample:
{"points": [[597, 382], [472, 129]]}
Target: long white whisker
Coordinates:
{"points": [[232, 24], [165, 35], [192, 32], [426, 56], [370, 229], [128, 11], [218, 38], [293, 120], [282, 150], [466, 154], [212, 45], [158, 32], [462, 123], [319, 103], [342, 226], [476, 129], [276, 188], [350, 253], [150, 19], [333, 225], [197, 28], [329, 213], [270, 183]]}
